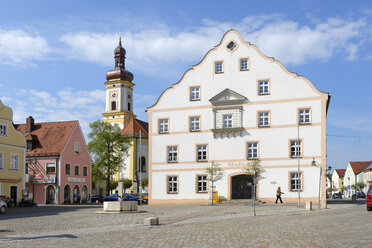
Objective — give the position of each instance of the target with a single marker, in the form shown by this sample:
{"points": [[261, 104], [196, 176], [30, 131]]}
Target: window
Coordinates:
{"points": [[172, 185], [77, 147], [143, 164], [26, 169], [67, 169], [202, 184], [243, 64], [263, 87], [172, 154], [195, 93], [218, 67], [77, 170], [296, 183], [113, 105], [28, 145], [263, 119], [231, 46], [85, 171], [304, 116], [194, 124], [50, 168], [3, 130], [163, 126], [201, 152], [13, 162], [252, 150], [227, 121], [295, 148], [1, 160], [129, 106]]}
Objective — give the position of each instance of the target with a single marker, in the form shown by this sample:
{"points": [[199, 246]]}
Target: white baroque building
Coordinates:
{"points": [[235, 106]]}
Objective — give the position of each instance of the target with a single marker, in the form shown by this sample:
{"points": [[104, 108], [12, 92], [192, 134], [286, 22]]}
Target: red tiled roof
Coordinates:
{"points": [[48, 138], [133, 128], [358, 167], [341, 172]]}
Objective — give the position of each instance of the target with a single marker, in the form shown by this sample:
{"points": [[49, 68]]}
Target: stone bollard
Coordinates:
{"points": [[152, 221], [309, 205]]}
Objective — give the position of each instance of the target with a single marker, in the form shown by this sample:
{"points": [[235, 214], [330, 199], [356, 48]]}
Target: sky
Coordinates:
{"points": [[54, 55]]}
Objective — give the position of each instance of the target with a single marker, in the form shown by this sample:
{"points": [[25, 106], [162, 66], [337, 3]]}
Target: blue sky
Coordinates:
{"points": [[54, 55]]}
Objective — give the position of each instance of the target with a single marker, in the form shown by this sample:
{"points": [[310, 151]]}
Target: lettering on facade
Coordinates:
{"points": [[44, 180], [76, 179]]}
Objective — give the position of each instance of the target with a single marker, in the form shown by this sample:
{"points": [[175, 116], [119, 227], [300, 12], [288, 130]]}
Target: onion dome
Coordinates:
{"points": [[119, 73]]}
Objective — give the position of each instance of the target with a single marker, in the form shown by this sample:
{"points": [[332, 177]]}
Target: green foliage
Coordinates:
{"points": [[255, 166], [107, 149], [127, 183], [359, 185], [144, 182], [215, 172], [330, 190], [113, 185]]}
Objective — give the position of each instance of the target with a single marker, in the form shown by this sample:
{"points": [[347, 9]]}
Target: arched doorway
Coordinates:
{"points": [[242, 186], [84, 194], [67, 194], [76, 191], [50, 194]]}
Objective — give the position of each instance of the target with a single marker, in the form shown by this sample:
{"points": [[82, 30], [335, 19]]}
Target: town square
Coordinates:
{"points": [[185, 124]]}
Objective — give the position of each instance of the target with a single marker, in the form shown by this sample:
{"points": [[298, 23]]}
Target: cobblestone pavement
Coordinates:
{"points": [[225, 225]]}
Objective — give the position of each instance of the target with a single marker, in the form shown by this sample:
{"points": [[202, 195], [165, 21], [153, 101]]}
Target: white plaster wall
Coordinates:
{"points": [[286, 89]]}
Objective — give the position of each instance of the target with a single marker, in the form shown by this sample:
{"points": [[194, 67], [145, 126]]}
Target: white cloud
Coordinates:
{"points": [[20, 48], [285, 40]]}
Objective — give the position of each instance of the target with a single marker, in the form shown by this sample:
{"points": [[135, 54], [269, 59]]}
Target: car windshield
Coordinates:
{"points": [[370, 190]]}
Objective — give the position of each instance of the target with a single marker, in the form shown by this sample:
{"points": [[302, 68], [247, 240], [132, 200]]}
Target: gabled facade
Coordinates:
{"points": [[338, 179], [234, 107], [368, 177], [12, 157], [58, 162], [354, 174]]}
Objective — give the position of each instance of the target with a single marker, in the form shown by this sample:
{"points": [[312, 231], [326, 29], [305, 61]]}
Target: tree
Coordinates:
{"points": [[254, 169], [127, 183], [107, 149], [144, 182], [215, 174]]}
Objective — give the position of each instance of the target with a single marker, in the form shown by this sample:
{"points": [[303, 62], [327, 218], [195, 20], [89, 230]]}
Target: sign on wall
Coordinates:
{"points": [[76, 179], [44, 180]]}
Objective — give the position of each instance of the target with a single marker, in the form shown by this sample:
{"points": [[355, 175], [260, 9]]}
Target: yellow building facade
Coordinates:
{"points": [[12, 157]]}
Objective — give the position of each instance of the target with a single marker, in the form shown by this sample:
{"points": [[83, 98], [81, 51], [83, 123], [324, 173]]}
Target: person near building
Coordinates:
{"points": [[279, 195]]}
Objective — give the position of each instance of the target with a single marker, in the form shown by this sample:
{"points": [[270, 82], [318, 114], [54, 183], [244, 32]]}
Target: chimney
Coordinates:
{"points": [[29, 124]]}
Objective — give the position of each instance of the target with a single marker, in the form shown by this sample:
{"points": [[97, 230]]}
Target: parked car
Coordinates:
{"points": [[144, 197], [126, 197], [335, 196], [369, 199], [2, 207], [360, 194], [96, 198]]}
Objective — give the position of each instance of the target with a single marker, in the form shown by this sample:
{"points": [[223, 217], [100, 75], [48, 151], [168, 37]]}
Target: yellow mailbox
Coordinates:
{"points": [[215, 196]]}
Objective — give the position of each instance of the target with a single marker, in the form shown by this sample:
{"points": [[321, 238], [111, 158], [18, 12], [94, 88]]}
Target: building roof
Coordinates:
{"points": [[341, 172], [48, 138], [133, 128], [358, 167]]}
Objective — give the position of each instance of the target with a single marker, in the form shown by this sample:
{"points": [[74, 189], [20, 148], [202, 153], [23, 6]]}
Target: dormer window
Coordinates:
{"points": [[228, 112]]}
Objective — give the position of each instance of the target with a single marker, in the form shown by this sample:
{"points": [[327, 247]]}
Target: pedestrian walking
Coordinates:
{"points": [[78, 198], [278, 195]]}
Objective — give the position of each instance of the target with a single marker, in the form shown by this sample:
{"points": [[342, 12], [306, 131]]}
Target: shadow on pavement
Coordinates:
{"points": [[345, 201], [39, 237], [27, 212]]}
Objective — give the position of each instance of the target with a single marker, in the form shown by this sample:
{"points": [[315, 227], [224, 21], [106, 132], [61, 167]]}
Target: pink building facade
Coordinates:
{"points": [[58, 162]]}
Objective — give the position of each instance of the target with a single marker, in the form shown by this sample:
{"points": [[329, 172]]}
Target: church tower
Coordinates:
{"points": [[119, 91]]}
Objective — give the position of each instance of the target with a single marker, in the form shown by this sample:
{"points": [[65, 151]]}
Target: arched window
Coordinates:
{"points": [[129, 106], [142, 161], [113, 105], [67, 195]]}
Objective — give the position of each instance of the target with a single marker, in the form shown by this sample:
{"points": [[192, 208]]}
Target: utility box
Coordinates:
{"points": [[215, 196]]}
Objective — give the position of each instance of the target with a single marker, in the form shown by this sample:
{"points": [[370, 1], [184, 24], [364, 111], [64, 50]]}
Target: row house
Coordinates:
{"points": [[234, 107], [354, 174], [58, 164], [12, 157]]}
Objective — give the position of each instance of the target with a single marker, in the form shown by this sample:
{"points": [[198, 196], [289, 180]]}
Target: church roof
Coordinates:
{"points": [[133, 128], [358, 167], [48, 138]]}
